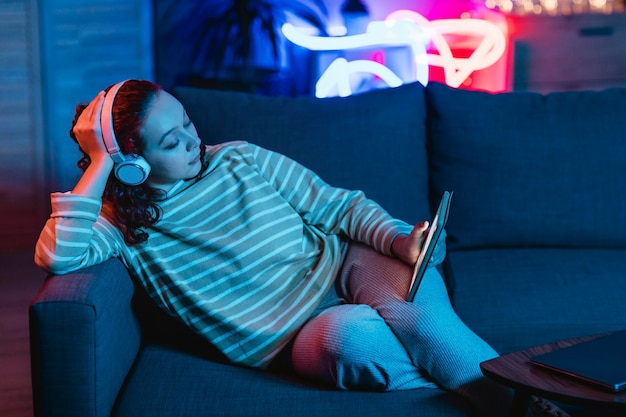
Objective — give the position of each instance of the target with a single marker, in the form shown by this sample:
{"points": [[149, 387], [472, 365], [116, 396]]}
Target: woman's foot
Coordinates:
{"points": [[540, 407]]}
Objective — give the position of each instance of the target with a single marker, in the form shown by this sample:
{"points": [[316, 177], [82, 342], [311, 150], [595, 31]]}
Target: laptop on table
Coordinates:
{"points": [[600, 361]]}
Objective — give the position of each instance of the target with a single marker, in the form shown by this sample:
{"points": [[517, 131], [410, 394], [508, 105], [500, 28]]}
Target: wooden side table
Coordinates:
{"points": [[516, 371]]}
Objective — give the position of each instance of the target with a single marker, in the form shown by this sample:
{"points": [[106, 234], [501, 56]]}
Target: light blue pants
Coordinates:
{"points": [[366, 336]]}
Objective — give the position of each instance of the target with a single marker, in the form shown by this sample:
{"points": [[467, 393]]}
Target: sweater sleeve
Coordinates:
{"points": [[332, 210], [76, 235]]}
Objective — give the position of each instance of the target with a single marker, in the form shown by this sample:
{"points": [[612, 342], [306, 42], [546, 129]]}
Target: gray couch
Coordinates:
{"points": [[536, 245]]}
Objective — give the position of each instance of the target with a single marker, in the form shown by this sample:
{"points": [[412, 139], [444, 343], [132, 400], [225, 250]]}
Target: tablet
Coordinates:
{"points": [[429, 244]]}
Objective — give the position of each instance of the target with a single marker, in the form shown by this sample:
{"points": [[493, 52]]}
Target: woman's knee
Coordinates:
{"points": [[349, 346]]}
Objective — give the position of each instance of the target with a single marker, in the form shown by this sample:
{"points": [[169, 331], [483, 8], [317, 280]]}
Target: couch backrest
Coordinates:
{"points": [[530, 170], [527, 170], [373, 142]]}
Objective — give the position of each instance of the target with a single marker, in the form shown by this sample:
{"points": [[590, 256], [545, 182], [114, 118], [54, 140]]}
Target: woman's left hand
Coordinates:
{"points": [[407, 248]]}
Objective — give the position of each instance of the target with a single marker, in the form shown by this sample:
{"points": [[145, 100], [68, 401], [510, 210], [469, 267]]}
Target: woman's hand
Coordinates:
{"points": [[89, 136], [88, 131], [407, 248]]}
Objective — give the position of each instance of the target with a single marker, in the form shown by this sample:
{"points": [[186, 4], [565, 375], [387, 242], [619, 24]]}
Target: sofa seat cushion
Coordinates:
{"points": [[518, 298], [169, 382], [375, 141], [530, 170]]}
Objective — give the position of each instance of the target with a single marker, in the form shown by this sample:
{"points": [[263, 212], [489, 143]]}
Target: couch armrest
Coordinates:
{"points": [[84, 338]]}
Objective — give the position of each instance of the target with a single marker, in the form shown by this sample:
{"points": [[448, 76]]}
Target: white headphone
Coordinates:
{"points": [[130, 169]]}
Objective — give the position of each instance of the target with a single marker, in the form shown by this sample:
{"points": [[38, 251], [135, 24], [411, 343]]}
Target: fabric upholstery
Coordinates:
{"points": [[518, 298], [530, 170], [209, 386], [373, 142], [84, 339]]}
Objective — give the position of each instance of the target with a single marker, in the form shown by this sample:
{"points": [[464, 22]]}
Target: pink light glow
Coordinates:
{"points": [[379, 56]]}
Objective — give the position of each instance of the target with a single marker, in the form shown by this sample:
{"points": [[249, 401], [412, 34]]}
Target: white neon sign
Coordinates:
{"points": [[405, 27], [337, 75]]}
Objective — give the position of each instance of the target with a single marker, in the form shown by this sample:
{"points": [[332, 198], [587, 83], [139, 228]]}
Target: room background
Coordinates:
{"points": [[57, 53]]}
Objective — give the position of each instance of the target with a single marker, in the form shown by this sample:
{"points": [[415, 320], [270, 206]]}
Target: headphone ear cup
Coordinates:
{"points": [[134, 170], [129, 169]]}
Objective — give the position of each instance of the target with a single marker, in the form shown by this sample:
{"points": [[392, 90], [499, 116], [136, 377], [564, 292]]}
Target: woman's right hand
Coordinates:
{"points": [[88, 131]]}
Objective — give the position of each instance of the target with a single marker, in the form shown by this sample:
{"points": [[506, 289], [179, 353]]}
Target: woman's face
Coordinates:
{"points": [[171, 143]]}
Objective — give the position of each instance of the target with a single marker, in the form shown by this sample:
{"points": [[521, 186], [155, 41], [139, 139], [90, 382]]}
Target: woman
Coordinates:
{"points": [[258, 255]]}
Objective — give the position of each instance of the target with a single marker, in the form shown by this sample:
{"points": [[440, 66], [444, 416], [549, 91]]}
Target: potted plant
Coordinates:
{"points": [[237, 44]]}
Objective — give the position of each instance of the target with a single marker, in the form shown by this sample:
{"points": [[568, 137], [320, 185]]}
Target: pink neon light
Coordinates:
{"points": [[379, 56], [490, 48]]}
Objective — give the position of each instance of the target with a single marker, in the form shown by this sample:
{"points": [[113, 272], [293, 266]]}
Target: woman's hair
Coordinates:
{"points": [[132, 208]]}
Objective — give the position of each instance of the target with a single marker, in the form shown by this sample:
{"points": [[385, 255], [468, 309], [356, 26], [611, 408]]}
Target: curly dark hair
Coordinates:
{"points": [[132, 208]]}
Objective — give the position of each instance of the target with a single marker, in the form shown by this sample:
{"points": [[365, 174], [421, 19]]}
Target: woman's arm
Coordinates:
{"points": [[75, 235], [336, 210]]}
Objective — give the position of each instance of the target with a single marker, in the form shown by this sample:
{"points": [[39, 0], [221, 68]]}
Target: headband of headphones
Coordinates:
{"points": [[129, 169], [106, 123]]}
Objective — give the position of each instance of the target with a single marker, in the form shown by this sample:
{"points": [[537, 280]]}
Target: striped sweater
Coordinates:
{"points": [[243, 256]]}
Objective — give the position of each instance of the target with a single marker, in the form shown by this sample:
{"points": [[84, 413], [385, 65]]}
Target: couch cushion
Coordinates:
{"points": [[374, 141], [530, 170], [169, 382], [518, 298]]}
